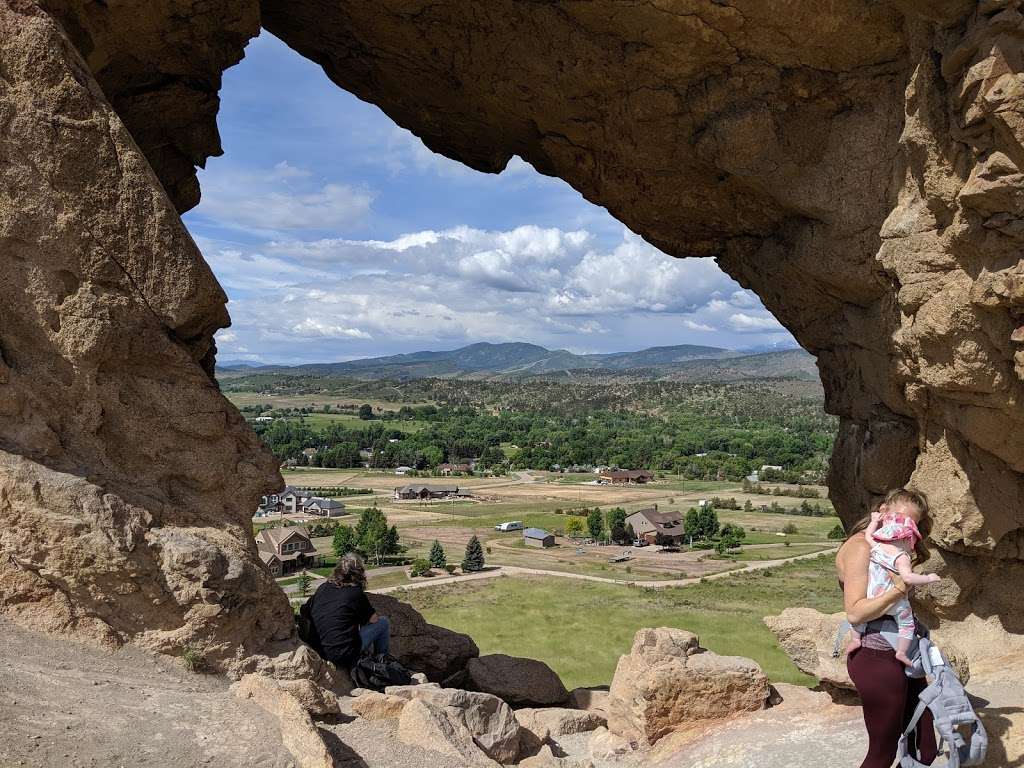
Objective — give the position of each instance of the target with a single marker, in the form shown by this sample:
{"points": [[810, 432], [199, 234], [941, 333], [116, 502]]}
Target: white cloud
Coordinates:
{"points": [[280, 199], [743, 322], [464, 284], [315, 328], [695, 326]]}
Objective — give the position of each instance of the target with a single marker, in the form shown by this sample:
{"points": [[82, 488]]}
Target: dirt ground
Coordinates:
{"points": [[65, 705]]}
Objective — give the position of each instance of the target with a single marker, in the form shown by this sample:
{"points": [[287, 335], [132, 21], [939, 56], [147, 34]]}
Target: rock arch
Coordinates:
{"points": [[857, 164]]}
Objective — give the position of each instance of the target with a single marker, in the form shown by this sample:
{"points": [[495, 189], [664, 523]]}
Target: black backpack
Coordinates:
{"points": [[378, 672]]}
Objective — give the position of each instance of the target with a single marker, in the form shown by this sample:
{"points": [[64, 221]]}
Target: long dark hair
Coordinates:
{"points": [[902, 496], [350, 571]]}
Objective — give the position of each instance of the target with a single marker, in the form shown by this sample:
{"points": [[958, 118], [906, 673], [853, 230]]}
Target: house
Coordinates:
{"points": [[649, 523], [403, 470], [424, 492], [317, 505], [286, 550], [627, 476], [453, 469], [536, 537], [293, 499]]}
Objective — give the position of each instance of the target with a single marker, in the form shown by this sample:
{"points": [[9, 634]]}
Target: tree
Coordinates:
{"points": [[630, 533], [344, 540], [365, 412], [574, 527], [437, 557], [790, 528], [837, 532], [373, 537], [473, 560], [616, 516], [707, 522], [419, 567], [595, 523], [731, 536], [303, 583], [691, 524], [747, 506]]}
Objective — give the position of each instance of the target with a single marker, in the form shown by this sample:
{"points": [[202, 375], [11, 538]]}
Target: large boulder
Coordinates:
{"points": [[520, 682], [668, 681], [422, 647], [469, 725], [298, 731], [808, 638], [545, 726]]}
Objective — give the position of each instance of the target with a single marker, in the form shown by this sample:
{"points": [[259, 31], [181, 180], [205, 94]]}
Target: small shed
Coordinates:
{"points": [[536, 537]]}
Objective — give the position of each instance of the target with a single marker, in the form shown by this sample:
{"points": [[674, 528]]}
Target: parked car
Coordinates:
{"points": [[513, 525], [641, 543]]}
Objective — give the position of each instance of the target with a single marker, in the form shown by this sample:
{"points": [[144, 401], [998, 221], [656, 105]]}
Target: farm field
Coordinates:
{"points": [[527, 497], [317, 400], [581, 628]]}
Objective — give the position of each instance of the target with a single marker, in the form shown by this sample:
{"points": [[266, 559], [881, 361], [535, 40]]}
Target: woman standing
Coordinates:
{"points": [[887, 695]]}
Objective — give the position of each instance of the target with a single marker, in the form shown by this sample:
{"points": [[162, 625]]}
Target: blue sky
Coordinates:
{"points": [[337, 234]]}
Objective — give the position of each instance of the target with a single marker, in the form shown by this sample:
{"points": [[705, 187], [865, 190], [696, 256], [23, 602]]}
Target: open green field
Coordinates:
{"points": [[581, 628]]}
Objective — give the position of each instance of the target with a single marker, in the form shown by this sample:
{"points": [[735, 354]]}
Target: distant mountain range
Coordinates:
{"points": [[688, 362]]}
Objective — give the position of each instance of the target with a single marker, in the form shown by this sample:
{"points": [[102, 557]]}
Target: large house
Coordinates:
{"points": [[650, 523], [286, 550], [626, 476], [294, 501], [454, 469], [317, 505], [424, 492], [536, 537]]}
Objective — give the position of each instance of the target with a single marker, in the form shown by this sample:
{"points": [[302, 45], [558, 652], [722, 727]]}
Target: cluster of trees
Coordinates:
{"points": [[698, 431], [600, 526], [800, 492], [371, 537], [472, 560]]}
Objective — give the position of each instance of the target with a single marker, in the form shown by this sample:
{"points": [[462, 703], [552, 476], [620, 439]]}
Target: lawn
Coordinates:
{"points": [[776, 553], [581, 628]]}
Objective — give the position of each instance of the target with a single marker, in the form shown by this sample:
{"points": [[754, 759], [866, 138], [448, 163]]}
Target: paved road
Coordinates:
{"points": [[513, 570]]}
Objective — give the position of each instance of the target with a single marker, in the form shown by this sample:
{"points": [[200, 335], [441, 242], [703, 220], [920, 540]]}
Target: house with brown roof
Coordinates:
{"points": [[626, 476], [425, 492], [286, 550], [650, 524]]}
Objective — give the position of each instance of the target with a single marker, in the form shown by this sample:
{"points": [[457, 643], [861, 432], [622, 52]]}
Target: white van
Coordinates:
{"points": [[515, 525]]}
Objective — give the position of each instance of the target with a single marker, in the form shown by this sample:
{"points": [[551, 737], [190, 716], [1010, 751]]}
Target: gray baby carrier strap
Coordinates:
{"points": [[951, 710]]}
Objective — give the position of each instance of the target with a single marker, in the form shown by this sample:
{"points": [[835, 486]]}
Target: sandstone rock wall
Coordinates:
{"points": [[857, 164], [127, 481]]}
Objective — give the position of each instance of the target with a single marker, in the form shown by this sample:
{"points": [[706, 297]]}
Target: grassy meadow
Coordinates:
{"points": [[581, 628]]}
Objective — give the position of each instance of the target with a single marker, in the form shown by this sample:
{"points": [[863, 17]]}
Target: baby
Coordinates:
{"points": [[893, 534]]}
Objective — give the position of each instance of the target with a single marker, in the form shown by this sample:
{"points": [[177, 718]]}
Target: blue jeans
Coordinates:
{"points": [[377, 636]]}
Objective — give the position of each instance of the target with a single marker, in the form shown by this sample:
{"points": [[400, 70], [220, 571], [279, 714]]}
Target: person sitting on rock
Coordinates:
{"points": [[345, 621]]}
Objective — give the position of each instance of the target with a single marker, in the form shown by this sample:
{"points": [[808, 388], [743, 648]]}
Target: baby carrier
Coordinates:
{"points": [[952, 713]]}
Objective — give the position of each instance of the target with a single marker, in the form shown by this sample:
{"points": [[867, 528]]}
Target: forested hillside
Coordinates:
{"points": [[701, 431]]}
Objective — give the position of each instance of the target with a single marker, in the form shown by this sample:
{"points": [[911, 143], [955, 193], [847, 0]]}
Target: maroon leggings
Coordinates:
{"points": [[889, 698]]}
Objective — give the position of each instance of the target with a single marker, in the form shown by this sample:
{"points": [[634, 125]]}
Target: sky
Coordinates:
{"points": [[337, 235]]}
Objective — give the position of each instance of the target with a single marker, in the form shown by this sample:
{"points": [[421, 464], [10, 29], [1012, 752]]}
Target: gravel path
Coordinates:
{"points": [[514, 570]]}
